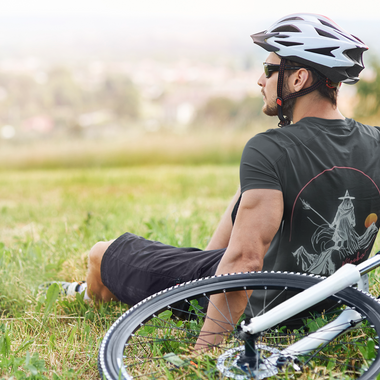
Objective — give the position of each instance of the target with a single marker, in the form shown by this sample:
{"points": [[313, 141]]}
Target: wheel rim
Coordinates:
{"points": [[158, 344]]}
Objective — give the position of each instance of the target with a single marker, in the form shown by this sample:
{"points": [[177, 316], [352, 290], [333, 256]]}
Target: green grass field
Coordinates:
{"points": [[51, 218]]}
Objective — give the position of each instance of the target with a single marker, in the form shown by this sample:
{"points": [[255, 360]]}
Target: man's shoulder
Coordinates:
{"points": [[269, 138], [307, 130], [344, 127], [318, 122], [369, 129], [271, 145], [273, 134], [293, 134], [375, 127]]}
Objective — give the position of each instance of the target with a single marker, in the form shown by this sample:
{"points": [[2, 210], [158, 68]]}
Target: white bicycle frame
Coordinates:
{"points": [[346, 276]]}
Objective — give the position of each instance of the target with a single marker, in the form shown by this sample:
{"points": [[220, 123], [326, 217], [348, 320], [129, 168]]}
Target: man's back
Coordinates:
{"points": [[327, 171], [328, 174]]}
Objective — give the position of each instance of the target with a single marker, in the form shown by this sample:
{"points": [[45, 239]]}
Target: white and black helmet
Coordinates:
{"points": [[315, 41]]}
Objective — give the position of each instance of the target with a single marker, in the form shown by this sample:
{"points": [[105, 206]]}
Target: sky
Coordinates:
{"points": [[193, 8], [86, 26]]}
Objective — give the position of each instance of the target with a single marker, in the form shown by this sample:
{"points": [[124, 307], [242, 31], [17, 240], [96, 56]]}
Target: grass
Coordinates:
{"points": [[134, 148], [51, 218], [166, 339]]}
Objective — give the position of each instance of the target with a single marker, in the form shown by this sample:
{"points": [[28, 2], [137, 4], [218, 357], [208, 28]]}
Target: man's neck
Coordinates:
{"points": [[312, 105]]}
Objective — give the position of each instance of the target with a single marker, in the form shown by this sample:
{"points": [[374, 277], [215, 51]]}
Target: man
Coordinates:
{"points": [[309, 196]]}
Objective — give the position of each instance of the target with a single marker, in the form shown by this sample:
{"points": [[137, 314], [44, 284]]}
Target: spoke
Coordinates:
{"points": [[161, 333], [228, 305], [270, 303], [216, 321], [247, 296]]}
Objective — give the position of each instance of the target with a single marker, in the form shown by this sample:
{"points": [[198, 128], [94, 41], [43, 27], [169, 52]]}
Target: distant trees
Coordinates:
{"points": [[79, 102], [368, 94], [62, 95], [119, 94], [222, 111]]}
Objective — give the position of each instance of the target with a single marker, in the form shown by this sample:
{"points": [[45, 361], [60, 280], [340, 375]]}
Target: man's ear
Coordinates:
{"points": [[301, 79]]}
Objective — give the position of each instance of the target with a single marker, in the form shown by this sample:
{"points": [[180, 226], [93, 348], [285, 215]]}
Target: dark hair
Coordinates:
{"points": [[323, 90]]}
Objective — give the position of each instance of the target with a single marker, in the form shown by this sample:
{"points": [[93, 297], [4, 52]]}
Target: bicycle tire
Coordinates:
{"points": [[132, 331]]}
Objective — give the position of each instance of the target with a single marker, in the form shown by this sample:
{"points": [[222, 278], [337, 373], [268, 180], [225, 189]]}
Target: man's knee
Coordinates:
{"points": [[96, 253], [96, 289]]}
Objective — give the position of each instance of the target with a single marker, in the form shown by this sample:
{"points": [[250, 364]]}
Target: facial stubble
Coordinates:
{"points": [[270, 107]]}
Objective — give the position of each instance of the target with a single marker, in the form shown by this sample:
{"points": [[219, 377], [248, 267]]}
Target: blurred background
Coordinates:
{"points": [[89, 82]]}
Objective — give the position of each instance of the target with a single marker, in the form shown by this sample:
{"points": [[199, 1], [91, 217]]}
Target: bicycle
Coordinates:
{"points": [[154, 339]]}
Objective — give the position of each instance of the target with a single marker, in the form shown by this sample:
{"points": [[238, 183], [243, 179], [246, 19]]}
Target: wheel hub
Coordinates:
{"points": [[230, 363]]}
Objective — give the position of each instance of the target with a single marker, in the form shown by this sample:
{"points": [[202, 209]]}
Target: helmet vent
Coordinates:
{"points": [[348, 36], [288, 43], [293, 19], [325, 34], [355, 55], [323, 22], [286, 28], [323, 51]]}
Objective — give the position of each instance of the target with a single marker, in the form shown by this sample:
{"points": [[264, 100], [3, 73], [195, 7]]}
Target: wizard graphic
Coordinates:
{"points": [[338, 237]]}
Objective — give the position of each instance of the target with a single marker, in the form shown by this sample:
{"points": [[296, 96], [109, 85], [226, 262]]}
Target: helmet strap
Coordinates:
{"points": [[284, 120]]}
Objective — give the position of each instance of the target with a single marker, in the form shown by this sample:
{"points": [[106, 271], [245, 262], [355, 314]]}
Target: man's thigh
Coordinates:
{"points": [[134, 268]]}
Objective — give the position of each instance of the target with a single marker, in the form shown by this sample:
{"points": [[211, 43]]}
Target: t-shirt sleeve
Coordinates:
{"points": [[258, 165]]}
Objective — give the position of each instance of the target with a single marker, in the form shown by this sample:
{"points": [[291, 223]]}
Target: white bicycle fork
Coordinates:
{"points": [[346, 276]]}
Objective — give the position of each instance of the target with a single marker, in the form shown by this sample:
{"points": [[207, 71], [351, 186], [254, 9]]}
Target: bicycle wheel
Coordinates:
{"points": [[154, 338]]}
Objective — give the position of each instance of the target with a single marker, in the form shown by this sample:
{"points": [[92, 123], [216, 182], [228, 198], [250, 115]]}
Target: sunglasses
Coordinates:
{"points": [[270, 68]]}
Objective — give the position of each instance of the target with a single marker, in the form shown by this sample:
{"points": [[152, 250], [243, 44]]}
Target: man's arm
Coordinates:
{"points": [[257, 221], [221, 236]]}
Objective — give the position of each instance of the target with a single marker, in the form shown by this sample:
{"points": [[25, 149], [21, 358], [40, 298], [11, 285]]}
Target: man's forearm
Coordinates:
{"points": [[222, 234], [224, 311], [257, 222]]}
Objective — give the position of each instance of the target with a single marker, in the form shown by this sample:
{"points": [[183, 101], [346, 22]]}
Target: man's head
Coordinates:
{"points": [[316, 44], [271, 66]]}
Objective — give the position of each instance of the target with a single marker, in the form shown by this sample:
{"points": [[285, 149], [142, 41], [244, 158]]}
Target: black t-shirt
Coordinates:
{"points": [[328, 172]]}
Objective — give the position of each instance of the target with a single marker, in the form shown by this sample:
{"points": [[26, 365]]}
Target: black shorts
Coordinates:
{"points": [[134, 268]]}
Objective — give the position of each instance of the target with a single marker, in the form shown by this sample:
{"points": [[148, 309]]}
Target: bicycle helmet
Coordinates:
{"points": [[318, 42], [314, 41]]}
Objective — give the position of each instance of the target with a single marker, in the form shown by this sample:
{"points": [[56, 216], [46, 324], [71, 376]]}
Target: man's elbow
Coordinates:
{"points": [[254, 266], [251, 263]]}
